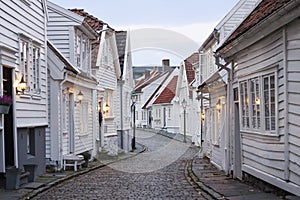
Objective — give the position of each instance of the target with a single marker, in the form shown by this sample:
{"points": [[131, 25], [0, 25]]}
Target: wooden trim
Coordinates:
{"points": [[288, 186], [286, 108]]}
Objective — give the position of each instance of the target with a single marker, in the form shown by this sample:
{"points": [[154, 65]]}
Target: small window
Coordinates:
{"points": [[30, 142]]}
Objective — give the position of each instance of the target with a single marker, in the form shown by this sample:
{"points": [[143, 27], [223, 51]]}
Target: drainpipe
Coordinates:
{"points": [[61, 117], [121, 82]]}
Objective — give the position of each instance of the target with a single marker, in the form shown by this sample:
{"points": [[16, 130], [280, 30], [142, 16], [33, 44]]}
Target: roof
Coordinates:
{"points": [[167, 95], [94, 22], [68, 65], [261, 12], [190, 73], [147, 81], [121, 37]]}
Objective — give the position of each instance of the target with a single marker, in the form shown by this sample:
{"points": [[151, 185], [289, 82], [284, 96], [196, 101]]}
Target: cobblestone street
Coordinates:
{"points": [[158, 173]]}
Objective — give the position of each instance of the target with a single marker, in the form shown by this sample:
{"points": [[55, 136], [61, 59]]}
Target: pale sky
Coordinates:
{"points": [[159, 29]]}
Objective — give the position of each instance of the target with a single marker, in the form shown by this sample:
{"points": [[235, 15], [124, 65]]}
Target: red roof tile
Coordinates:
{"points": [[94, 22], [261, 12], [168, 93], [190, 73]]}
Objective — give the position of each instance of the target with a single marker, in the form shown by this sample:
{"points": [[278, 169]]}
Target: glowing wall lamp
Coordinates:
{"points": [[106, 108], [79, 97], [21, 86]]}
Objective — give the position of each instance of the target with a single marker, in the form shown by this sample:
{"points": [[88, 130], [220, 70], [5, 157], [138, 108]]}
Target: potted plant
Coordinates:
{"points": [[5, 102]]}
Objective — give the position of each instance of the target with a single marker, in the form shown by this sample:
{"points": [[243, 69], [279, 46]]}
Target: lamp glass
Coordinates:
{"points": [[80, 96], [133, 97]]}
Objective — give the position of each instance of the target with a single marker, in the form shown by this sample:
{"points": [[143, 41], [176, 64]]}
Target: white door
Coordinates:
{"points": [[71, 124]]}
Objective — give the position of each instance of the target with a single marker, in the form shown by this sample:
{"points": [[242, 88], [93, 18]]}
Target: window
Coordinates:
{"points": [[169, 112], [84, 118], [269, 102], [30, 142], [36, 69], [30, 63], [257, 104], [244, 104], [82, 51]]}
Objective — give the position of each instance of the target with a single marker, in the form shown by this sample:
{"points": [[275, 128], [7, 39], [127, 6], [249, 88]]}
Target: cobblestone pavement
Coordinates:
{"points": [[158, 173]]}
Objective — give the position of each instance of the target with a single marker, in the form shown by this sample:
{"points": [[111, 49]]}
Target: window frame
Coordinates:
{"points": [[30, 71], [260, 76]]}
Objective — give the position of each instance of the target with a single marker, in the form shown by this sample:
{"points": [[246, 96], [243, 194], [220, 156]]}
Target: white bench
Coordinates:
{"points": [[73, 161]]}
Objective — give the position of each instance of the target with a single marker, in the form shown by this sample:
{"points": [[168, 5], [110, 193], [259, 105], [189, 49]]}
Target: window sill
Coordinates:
{"points": [[257, 134]]}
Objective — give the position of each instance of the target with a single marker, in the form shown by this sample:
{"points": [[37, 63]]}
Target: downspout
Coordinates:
{"points": [[286, 109], [61, 117], [121, 111]]}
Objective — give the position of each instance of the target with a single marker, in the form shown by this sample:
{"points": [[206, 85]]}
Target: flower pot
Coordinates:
{"points": [[4, 109]]}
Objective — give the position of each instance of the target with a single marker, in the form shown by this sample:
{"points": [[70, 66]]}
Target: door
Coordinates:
{"points": [[71, 124], [9, 139], [237, 173]]}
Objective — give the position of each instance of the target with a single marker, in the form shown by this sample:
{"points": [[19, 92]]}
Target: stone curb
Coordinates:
{"points": [[35, 192], [204, 190]]}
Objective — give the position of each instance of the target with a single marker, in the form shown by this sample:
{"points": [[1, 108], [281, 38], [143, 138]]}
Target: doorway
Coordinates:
{"points": [[237, 138], [8, 120]]}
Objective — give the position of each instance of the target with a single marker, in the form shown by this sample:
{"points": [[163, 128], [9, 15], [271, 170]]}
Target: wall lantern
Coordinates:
{"points": [[79, 97], [21, 86], [106, 108], [202, 116], [257, 100]]}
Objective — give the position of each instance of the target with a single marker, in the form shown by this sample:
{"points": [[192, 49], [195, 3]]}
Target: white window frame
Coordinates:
{"points": [[262, 129], [82, 51], [31, 66]]}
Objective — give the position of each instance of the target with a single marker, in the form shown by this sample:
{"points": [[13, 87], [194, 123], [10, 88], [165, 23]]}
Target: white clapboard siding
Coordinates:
{"points": [[29, 111], [235, 17], [217, 150], [264, 153], [293, 70], [60, 29]]}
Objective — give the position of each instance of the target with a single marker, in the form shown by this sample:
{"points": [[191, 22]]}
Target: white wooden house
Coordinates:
{"points": [[106, 69], [212, 76], [164, 106], [185, 92], [264, 94], [145, 91], [125, 88], [23, 57], [72, 88]]}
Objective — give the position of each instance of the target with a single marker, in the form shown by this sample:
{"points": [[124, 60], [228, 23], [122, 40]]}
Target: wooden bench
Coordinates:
{"points": [[73, 161]]}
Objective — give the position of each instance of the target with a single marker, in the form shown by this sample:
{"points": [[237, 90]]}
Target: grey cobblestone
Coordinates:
{"points": [[158, 173]]}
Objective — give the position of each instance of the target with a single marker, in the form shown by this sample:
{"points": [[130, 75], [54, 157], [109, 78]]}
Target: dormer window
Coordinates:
{"points": [[82, 51]]}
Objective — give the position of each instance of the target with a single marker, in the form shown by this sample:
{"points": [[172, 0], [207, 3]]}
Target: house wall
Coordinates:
{"points": [[61, 32], [261, 152], [217, 127], [293, 103], [32, 24], [107, 77]]}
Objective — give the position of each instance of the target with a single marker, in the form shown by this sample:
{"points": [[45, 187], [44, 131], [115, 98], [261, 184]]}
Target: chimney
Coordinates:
{"points": [[165, 65]]}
